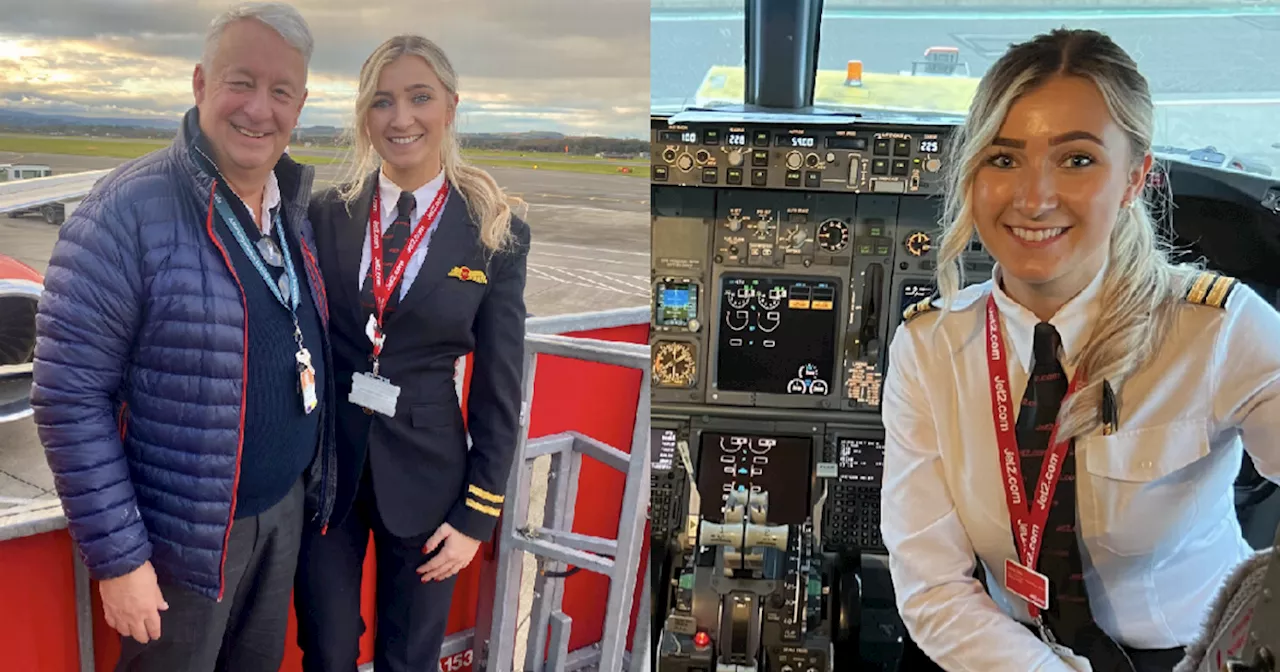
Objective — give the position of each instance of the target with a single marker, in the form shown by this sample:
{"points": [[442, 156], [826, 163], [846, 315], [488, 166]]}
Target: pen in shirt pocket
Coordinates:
{"points": [[1110, 415]]}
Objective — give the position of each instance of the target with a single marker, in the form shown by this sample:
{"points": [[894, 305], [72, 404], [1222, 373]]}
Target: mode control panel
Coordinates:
{"points": [[856, 158]]}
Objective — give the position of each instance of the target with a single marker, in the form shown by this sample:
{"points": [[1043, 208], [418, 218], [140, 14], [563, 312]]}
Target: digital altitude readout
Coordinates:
{"points": [[777, 334], [778, 465], [797, 141]]}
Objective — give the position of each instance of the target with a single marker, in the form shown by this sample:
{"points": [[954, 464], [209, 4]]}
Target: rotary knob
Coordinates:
{"points": [[735, 157], [918, 244], [798, 237], [794, 160], [734, 224], [685, 162]]}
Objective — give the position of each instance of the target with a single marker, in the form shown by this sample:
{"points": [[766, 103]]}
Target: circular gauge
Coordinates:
{"points": [[674, 364], [918, 243], [833, 235]]}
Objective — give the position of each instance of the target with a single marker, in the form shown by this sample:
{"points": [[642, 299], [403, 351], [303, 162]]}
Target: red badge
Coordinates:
{"points": [[466, 273], [1028, 584]]}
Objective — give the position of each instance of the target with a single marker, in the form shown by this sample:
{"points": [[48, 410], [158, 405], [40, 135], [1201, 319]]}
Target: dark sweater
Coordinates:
{"points": [[280, 440]]}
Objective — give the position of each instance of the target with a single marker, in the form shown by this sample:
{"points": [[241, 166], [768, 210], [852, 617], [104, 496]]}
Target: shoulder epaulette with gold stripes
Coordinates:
{"points": [[918, 308], [1211, 289]]}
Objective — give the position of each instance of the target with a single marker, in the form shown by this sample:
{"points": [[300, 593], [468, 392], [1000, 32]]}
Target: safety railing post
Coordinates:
{"points": [[556, 545]]}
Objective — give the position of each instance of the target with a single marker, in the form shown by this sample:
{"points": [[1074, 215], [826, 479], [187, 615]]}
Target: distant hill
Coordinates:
{"points": [[17, 121]]}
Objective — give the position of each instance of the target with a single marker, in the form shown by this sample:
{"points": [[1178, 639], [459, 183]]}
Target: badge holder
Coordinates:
{"points": [[306, 374], [369, 390]]}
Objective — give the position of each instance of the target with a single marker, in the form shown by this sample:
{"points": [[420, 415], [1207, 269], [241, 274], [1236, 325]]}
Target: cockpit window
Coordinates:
{"points": [[1216, 94]]}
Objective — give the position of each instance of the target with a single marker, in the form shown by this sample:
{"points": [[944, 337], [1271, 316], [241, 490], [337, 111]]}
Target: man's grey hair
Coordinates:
{"points": [[279, 16]]}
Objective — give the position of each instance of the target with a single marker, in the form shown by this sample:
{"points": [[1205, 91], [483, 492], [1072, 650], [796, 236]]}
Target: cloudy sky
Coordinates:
{"points": [[573, 66]]}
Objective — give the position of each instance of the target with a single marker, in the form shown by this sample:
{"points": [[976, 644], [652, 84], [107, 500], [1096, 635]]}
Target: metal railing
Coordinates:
{"points": [[556, 546], [38, 516]]}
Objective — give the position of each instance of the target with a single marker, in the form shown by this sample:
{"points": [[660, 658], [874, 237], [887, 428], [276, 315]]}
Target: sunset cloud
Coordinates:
{"points": [[573, 66]]}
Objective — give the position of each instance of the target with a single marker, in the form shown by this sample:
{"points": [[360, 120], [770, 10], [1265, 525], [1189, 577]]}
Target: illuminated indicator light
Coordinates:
{"points": [[702, 640]]}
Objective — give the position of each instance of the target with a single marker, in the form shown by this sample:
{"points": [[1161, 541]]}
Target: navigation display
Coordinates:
{"points": [[779, 465], [662, 444], [777, 335], [861, 460], [677, 303]]}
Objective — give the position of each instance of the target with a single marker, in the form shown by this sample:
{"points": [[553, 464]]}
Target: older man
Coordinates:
{"points": [[180, 375]]}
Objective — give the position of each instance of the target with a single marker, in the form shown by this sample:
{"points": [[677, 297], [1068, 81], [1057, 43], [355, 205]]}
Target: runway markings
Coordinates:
{"points": [[569, 256], [605, 250], [620, 283], [598, 199], [583, 208]]}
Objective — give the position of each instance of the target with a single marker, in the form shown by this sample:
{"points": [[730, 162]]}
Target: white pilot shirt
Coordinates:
{"points": [[390, 195], [1155, 500]]}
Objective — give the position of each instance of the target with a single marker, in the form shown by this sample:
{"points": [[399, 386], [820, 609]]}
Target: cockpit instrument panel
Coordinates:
{"points": [[863, 158], [777, 335], [778, 465], [784, 256]]}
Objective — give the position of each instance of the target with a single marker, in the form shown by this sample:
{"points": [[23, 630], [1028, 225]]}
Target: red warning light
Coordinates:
{"points": [[702, 639]]}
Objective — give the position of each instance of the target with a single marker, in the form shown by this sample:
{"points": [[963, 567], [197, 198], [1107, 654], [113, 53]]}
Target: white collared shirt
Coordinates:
{"points": [[389, 193], [270, 199], [1155, 500]]}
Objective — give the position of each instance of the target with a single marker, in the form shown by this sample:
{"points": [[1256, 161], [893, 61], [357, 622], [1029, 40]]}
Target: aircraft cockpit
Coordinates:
{"points": [[795, 209]]}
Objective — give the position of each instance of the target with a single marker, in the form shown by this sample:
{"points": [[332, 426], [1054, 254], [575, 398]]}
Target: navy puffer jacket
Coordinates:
{"points": [[140, 368]]}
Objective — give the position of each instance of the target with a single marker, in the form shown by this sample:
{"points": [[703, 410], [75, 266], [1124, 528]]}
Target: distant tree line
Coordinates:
{"points": [[330, 136]]}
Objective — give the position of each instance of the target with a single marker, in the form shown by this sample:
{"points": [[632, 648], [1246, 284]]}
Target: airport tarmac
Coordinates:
{"points": [[590, 252]]}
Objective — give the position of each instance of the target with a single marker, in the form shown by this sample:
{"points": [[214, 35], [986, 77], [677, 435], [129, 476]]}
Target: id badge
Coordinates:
{"points": [[1026, 583], [307, 381], [374, 393]]}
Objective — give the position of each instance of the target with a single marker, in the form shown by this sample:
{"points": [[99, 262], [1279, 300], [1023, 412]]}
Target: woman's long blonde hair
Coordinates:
{"points": [[1142, 287], [488, 204]]}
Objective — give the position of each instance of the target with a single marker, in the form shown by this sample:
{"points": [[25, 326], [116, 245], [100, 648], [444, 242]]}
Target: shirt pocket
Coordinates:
{"points": [[1144, 484]]}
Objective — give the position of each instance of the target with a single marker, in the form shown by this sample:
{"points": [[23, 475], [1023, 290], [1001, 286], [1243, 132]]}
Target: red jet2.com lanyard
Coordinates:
{"points": [[1028, 518], [382, 290]]}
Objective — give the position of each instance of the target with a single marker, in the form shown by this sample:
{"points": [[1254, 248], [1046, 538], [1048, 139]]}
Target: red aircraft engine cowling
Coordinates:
{"points": [[20, 287]]}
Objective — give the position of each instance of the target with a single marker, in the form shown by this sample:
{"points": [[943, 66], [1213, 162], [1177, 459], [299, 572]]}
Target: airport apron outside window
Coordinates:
{"points": [[369, 390], [286, 290]]}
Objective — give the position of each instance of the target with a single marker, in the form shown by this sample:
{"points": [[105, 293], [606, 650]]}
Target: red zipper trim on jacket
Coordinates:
{"points": [[313, 270], [244, 384], [122, 421]]}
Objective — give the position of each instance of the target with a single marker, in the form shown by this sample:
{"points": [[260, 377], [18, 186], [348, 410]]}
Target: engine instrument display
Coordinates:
{"points": [[677, 304], [777, 335], [779, 465]]}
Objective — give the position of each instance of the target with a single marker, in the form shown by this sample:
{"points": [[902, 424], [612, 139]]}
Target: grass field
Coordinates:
{"points": [[131, 148]]}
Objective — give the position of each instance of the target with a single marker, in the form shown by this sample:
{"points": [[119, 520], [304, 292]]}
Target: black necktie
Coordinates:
{"points": [[1068, 616], [393, 240]]}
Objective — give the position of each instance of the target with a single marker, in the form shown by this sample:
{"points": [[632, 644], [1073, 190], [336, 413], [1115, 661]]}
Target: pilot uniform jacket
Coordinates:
{"points": [[423, 471], [1155, 503]]}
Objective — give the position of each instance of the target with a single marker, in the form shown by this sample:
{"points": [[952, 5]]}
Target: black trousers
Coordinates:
{"points": [[411, 615], [245, 632]]}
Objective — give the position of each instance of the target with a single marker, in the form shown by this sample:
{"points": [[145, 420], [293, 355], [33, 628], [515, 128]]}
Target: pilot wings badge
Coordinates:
{"points": [[468, 275]]}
